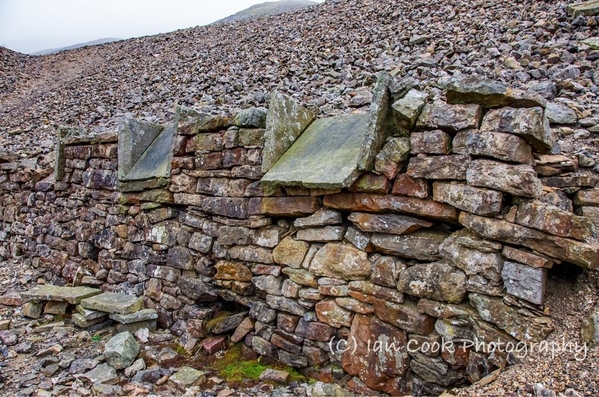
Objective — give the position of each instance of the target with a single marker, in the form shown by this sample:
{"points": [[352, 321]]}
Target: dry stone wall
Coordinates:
{"points": [[448, 236]]}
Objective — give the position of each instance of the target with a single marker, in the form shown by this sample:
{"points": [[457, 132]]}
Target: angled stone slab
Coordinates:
{"points": [[155, 162], [134, 138], [285, 122], [48, 292], [325, 156], [111, 302], [387, 223]]}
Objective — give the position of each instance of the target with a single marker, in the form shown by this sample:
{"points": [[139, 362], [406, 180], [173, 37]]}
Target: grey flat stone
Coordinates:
{"points": [[142, 315], [103, 373], [111, 302], [48, 292], [325, 156], [82, 322], [134, 138], [89, 314], [187, 377], [155, 162]]}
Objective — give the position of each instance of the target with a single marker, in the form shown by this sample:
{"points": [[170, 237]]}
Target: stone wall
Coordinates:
{"points": [[447, 235]]}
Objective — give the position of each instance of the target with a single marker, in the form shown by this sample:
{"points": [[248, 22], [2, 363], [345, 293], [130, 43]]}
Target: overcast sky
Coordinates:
{"points": [[33, 25]]}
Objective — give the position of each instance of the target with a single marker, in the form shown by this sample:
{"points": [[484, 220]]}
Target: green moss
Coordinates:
{"points": [[234, 369], [96, 338], [217, 319]]}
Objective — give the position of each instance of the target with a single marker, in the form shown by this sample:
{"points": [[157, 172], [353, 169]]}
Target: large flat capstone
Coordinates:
{"points": [[111, 302], [48, 292], [325, 156]]}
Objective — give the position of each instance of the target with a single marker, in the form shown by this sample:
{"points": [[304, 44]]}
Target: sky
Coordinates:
{"points": [[33, 25]]}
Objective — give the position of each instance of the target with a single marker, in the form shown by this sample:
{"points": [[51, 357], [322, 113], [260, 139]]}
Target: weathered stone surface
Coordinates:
{"points": [[314, 330], [262, 313], [228, 323], [557, 113], [439, 167], [591, 213], [384, 369], [551, 219], [528, 123], [387, 223], [102, 373], [285, 122], [111, 302], [323, 234], [528, 258], [499, 145], [585, 8], [155, 162], [385, 270], [376, 203], [521, 327], [225, 206], [468, 198], [285, 304], [48, 292], [232, 270], [371, 183], [525, 282], [274, 375], [134, 139], [587, 197], [430, 142], [283, 206], [187, 377], [421, 245], [435, 370], [368, 288], [290, 252], [341, 261], [179, 258], [519, 180], [472, 259], [358, 239], [121, 350], [490, 94], [332, 314], [571, 251], [407, 186], [325, 156], [405, 316], [409, 107], [437, 281], [354, 305], [580, 180], [390, 159], [589, 329], [252, 117], [250, 253], [141, 315], [323, 217], [301, 276], [268, 284], [451, 118]]}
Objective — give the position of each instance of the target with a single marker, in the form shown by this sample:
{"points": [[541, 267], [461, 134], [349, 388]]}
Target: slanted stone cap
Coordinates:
{"points": [[325, 156]]}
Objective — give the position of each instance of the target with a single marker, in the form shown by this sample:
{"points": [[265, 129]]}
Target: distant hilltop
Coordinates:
{"points": [[268, 8], [72, 47]]}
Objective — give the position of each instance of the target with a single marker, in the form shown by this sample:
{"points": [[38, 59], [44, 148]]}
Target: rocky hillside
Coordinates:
{"points": [[268, 8], [325, 56]]}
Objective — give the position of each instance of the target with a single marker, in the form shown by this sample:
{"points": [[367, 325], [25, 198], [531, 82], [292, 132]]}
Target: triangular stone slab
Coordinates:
{"points": [[325, 156]]}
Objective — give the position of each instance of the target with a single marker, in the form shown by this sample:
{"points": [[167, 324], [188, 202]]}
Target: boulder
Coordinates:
{"points": [[439, 167], [499, 145], [519, 180], [437, 281], [554, 220], [121, 350], [525, 282], [340, 261], [468, 198], [490, 94], [450, 118]]}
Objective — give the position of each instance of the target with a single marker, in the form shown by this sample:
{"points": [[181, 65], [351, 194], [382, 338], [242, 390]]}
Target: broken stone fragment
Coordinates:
{"points": [[121, 350]]}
